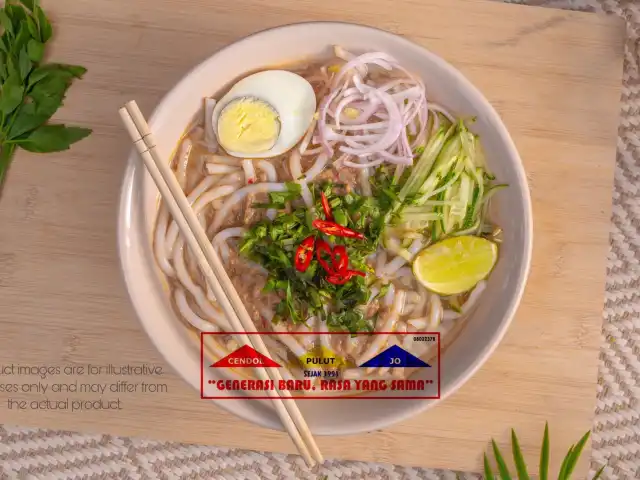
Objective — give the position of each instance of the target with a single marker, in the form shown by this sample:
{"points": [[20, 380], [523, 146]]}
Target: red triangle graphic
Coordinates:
{"points": [[245, 357]]}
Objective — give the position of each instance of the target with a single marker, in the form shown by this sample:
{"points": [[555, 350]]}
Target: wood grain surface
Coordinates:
{"points": [[554, 76]]}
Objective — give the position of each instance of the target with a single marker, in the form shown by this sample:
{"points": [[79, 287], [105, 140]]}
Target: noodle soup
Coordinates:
{"points": [[340, 198]]}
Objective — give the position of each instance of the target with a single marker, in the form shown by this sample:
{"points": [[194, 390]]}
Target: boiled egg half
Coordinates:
{"points": [[265, 114]]}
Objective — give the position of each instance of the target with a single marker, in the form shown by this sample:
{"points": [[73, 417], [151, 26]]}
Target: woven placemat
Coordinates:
{"points": [[35, 453]]}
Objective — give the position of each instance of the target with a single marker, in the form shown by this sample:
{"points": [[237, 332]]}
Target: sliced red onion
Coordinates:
{"points": [[386, 112]]}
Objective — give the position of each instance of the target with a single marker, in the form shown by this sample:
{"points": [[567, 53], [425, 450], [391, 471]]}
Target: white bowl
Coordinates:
{"points": [[489, 320]]}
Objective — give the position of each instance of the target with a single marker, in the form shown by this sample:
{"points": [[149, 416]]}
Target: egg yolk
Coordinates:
{"points": [[248, 125]]}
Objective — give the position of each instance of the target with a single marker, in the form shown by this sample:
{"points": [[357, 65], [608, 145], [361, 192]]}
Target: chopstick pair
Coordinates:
{"points": [[215, 274]]}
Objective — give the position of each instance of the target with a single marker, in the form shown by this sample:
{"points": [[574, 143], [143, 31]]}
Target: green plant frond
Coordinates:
{"points": [[544, 454], [521, 466], [574, 455], [562, 475], [488, 473], [502, 466]]}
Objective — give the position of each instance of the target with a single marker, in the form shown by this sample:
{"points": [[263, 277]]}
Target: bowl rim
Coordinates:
{"points": [[127, 201]]}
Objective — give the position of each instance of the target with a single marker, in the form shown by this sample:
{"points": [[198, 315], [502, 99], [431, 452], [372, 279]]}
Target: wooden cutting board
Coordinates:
{"points": [[553, 75]]}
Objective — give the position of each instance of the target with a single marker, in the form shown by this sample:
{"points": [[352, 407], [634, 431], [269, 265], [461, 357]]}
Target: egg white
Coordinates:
{"points": [[290, 95]]}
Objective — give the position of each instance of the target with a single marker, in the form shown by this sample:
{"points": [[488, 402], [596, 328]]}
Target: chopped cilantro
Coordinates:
{"points": [[272, 244]]}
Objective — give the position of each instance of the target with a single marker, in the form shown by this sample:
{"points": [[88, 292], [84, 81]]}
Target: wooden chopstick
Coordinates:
{"points": [[214, 272]]}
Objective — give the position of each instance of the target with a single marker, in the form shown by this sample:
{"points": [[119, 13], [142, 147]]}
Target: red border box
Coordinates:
{"points": [[302, 397]]}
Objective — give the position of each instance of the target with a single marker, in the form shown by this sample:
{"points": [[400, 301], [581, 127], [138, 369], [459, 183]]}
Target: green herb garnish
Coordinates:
{"points": [[31, 91], [304, 294]]}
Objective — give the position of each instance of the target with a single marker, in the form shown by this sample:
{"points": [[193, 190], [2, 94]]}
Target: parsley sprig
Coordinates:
{"points": [[31, 91]]}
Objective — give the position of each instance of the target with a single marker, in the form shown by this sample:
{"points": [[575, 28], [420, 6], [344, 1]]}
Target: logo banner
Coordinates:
{"points": [[321, 365]]}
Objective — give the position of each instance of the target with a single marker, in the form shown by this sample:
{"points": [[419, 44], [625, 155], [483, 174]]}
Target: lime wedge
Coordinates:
{"points": [[455, 265]]}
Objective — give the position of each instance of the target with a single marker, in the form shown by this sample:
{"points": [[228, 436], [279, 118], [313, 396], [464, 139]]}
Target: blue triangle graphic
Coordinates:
{"points": [[395, 356]]}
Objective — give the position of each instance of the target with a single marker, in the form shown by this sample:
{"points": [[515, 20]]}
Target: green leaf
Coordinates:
{"points": [[53, 138], [521, 466], [502, 466], [3, 66], [13, 74], [544, 454], [574, 454], [30, 4], [17, 14], [24, 64], [64, 73], [20, 41], [44, 97], [45, 27], [6, 22], [35, 49], [488, 473], [11, 96], [3, 45], [32, 26]]}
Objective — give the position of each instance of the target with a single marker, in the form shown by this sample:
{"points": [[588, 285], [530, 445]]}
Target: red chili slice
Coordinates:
{"points": [[304, 253], [340, 259], [324, 247], [332, 228], [341, 279], [326, 207]]}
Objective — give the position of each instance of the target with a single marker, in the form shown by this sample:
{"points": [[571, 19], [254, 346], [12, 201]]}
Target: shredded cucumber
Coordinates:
{"points": [[448, 190], [422, 169]]}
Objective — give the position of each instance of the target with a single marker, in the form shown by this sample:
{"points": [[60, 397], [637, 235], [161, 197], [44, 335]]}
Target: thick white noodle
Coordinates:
{"points": [[234, 179], [311, 325], [183, 160], [422, 297], [295, 167], [289, 341], [239, 196], [189, 315], [325, 339], [365, 184], [307, 137], [159, 242], [196, 292], [317, 168], [220, 240], [397, 263], [268, 169], [435, 311], [249, 172], [389, 297], [381, 260], [220, 169], [374, 346], [225, 160], [272, 177], [198, 206], [469, 304], [205, 184], [419, 323]]}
